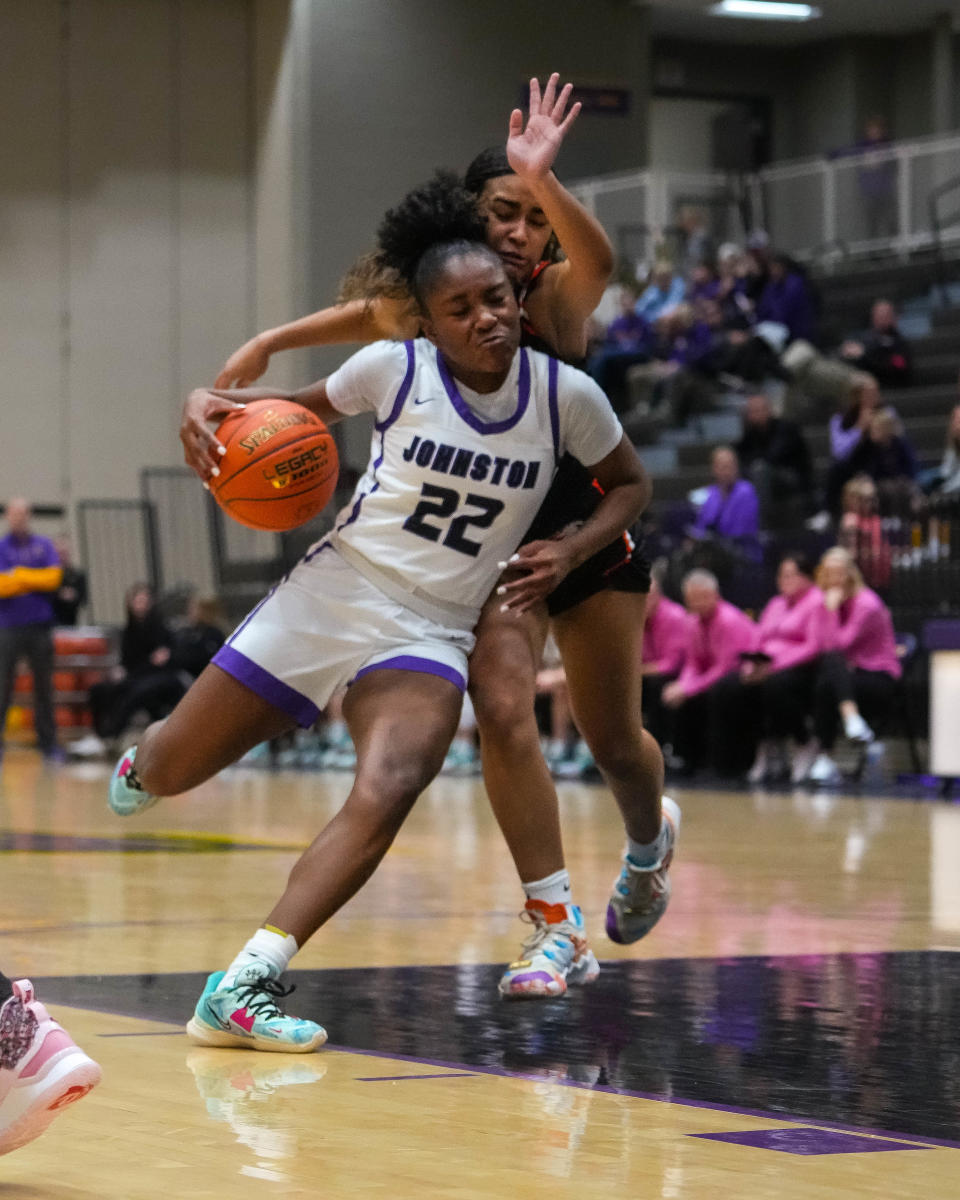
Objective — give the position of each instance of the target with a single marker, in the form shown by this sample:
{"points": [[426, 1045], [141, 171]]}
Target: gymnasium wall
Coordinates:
{"points": [[398, 89], [133, 236]]}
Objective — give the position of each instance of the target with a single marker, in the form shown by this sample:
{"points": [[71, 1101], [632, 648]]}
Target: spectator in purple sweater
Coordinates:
{"points": [[30, 574], [627, 342], [787, 300], [731, 510], [716, 634], [859, 668], [770, 695]]}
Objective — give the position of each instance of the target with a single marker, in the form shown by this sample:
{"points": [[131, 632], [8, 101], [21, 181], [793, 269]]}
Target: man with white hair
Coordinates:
{"points": [[30, 573], [717, 634]]}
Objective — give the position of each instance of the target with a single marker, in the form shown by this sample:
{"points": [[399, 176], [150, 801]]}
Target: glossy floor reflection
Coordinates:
{"points": [[796, 1008], [868, 1041]]}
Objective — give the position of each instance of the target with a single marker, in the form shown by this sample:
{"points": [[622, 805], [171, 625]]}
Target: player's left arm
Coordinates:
{"points": [[543, 565], [570, 290]]}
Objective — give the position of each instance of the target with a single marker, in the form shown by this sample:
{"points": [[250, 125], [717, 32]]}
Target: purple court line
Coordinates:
{"points": [[394, 1079], [501, 1072]]}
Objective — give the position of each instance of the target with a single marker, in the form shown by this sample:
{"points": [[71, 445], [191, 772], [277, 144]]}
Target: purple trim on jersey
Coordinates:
{"points": [[552, 372], [312, 554], [410, 662], [382, 427], [268, 687], [475, 423]]}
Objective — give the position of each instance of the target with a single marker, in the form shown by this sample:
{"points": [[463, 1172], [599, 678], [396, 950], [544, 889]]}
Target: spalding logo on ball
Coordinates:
{"points": [[280, 468]]}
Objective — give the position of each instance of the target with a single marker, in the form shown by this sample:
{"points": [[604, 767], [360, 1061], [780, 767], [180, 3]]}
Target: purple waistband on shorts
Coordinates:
{"points": [[409, 662]]}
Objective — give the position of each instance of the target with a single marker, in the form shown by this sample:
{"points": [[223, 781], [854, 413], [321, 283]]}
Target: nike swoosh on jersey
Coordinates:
{"points": [[428, 400]]}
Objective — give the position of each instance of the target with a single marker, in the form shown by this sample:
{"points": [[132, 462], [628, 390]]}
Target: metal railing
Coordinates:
{"points": [[867, 202]]}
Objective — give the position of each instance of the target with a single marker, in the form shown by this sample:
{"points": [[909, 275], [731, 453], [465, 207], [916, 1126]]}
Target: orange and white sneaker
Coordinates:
{"points": [[555, 954], [42, 1070], [641, 894]]}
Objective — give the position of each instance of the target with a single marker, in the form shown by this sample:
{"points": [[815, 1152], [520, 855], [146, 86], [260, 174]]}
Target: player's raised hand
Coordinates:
{"points": [[532, 150], [244, 365], [201, 410]]}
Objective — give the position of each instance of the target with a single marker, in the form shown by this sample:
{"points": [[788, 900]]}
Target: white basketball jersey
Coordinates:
{"points": [[447, 494]]}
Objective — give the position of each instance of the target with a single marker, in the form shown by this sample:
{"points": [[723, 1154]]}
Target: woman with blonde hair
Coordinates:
{"points": [[859, 668], [862, 532]]}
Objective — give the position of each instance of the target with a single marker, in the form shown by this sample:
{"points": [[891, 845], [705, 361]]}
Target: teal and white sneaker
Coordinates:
{"points": [[555, 954], [579, 764], [246, 1014], [641, 894], [461, 758], [126, 796]]}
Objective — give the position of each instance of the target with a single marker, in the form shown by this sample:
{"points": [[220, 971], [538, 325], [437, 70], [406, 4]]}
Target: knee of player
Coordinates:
{"points": [[384, 794], [503, 705]]}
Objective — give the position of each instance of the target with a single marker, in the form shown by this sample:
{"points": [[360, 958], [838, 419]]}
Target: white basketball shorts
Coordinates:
{"points": [[325, 626]]}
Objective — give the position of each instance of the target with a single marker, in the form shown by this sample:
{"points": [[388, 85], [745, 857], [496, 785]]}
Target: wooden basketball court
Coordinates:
{"points": [[789, 1030]]}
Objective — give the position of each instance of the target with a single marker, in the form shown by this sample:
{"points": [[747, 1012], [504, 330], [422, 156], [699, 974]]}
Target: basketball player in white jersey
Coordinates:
{"points": [[468, 431], [598, 613]]}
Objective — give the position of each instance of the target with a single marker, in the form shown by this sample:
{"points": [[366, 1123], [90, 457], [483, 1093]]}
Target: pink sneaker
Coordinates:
{"points": [[42, 1070]]}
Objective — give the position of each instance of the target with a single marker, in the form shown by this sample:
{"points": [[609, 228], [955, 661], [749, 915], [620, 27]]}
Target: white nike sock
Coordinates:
{"points": [[648, 854], [555, 889], [269, 946]]}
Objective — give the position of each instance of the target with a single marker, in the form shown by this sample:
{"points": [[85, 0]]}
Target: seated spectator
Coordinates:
{"points": [[770, 695], [788, 301], [756, 266], [885, 454], [731, 509], [775, 458], [566, 754], [882, 351], [698, 245], [196, 642], [717, 633], [856, 679], [862, 533], [71, 595], [664, 292], [145, 657], [703, 284], [627, 341], [946, 478], [664, 645], [736, 306], [678, 379], [847, 429]]}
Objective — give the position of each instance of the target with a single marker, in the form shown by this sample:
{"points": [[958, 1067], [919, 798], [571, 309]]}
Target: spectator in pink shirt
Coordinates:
{"points": [[771, 694], [664, 643], [717, 632], [859, 668]]}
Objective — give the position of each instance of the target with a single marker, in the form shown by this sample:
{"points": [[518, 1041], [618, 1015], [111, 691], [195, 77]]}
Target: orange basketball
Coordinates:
{"points": [[280, 468]]}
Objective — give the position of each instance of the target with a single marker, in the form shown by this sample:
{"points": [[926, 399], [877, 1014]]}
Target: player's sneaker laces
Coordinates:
{"points": [[42, 1070], [126, 795], [555, 954], [247, 1014], [641, 894]]}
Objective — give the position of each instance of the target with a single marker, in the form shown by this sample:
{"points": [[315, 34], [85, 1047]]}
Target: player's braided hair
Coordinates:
{"points": [[431, 224]]}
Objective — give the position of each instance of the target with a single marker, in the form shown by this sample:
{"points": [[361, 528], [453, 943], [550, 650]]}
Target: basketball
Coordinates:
{"points": [[280, 468]]}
